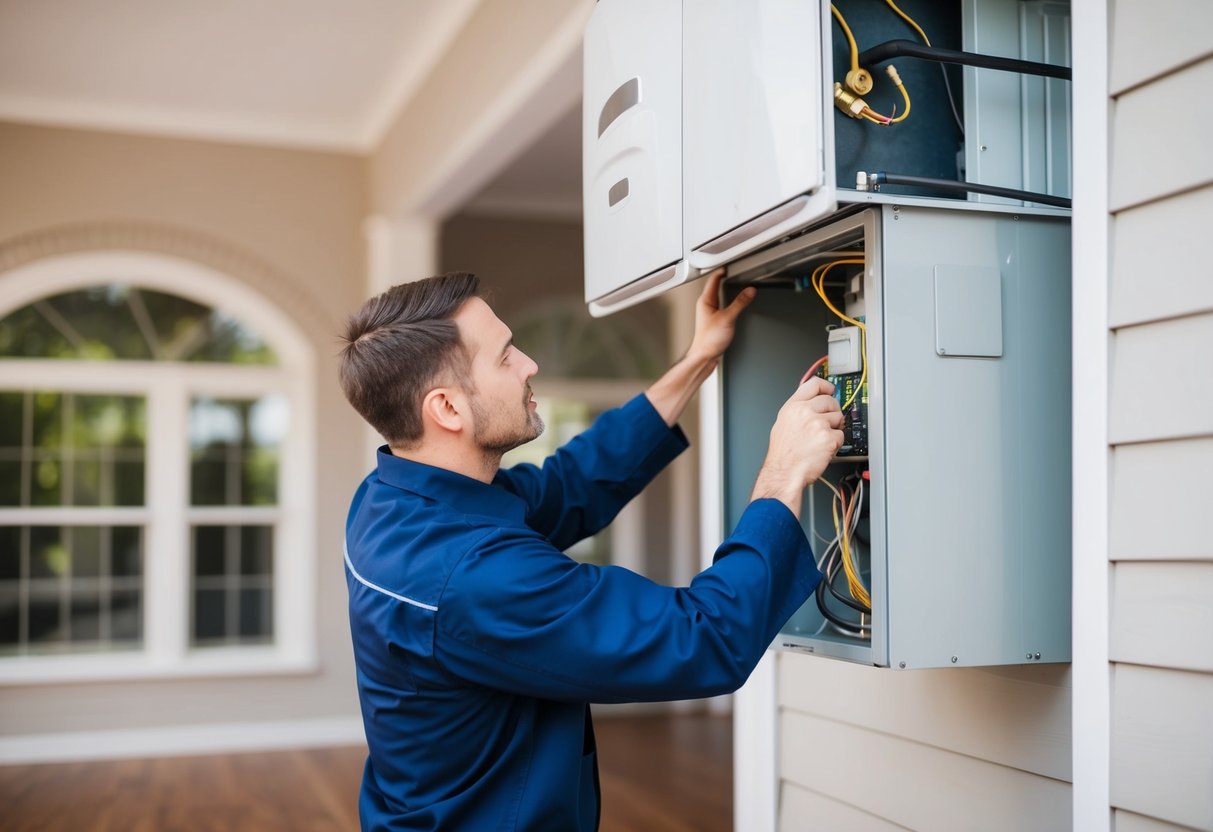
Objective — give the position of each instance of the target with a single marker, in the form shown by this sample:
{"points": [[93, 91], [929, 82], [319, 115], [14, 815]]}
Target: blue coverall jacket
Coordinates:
{"points": [[479, 644]]}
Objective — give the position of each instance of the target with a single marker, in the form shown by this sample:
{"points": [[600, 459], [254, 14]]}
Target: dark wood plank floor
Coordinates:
{"points": [[659, 774]]}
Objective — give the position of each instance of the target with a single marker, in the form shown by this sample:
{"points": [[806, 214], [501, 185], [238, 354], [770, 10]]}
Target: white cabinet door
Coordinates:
{"points": [[756, 155], [632, 151]]}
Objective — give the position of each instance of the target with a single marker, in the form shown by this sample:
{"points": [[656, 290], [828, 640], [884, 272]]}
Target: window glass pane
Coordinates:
{"points": [[126, 617], [235, 449], [68, 600], [126, 551], [10, 480], [210, 551], [10, 618], [128, 479], [126, 323], [10, 553], [255, 614], [82, 450], [26, 333], [86, 615], [45, 618], [86, 551], [232, 585], [47, 420], [210, 615], [48, 554], [256, 550], [12, 419], [46, 487]]}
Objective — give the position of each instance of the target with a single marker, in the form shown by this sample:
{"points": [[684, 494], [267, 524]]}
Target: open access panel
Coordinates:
{"points": [[943, 525]]}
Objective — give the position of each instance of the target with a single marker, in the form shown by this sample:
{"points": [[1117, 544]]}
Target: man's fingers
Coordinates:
{"points": [[815, 386], [710, 296], [741, 302]]}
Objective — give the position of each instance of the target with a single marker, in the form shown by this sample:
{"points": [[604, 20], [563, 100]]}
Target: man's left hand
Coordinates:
{"points": [[714, 327]]}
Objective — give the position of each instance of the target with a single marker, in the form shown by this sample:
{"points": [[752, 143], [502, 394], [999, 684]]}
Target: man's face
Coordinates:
{"points": [[503, 409]]}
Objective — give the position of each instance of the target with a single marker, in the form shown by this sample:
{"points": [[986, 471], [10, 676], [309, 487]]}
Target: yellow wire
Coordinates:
{"points": [[858, 591], [818, 281], [880, 119], [846, 30], [905, 112], [909, 20], [854, 583]]}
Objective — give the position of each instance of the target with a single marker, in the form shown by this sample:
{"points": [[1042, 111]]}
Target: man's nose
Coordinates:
{"points": [[529, 365]]}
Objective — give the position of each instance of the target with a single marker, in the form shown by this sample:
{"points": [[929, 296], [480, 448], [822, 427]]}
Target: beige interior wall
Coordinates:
{"points": [[299, 213]]}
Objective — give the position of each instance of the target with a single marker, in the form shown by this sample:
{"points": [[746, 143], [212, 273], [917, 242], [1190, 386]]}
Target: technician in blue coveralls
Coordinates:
{"points": [[479, 644]]}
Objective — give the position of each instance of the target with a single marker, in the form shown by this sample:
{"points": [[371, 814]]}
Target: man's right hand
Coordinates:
{"points": [[806, 435]]}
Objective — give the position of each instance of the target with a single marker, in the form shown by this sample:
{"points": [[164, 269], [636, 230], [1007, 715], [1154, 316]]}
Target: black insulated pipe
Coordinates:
{"points": [[909, 49], [882, 178]]}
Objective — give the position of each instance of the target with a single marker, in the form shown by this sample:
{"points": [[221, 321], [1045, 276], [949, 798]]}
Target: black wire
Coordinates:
{"points": [[883, 178], [853, 604], [833, 565], [909, 49], [831, 617]]}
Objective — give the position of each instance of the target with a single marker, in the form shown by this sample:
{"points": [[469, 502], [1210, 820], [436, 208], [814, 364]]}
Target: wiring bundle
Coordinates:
{"points": [[840, 556]]}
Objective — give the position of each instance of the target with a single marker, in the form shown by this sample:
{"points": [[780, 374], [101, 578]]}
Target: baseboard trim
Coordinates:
{"points": [[181, 740]]}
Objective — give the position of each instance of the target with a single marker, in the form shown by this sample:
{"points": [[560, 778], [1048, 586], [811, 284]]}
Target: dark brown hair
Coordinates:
{"points": [[401, 344]]}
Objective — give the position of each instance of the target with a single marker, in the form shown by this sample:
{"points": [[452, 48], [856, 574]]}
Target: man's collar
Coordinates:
{"points": [[461, 492]]}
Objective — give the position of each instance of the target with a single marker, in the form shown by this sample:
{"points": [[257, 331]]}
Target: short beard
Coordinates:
{"points": [[499, 440]]}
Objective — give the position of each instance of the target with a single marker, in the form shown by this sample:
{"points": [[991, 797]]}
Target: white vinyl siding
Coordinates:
{"points": [[1161, 277], [975, 748], [1160, 417], [1162, 759], [1160, 137]]}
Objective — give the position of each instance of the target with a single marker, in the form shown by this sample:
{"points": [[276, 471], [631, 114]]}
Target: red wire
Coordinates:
{"points": [[816, 366]]}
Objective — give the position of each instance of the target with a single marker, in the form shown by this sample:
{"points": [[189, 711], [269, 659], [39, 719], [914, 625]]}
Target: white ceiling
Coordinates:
{"points": [[326, 74], [310, 73]]}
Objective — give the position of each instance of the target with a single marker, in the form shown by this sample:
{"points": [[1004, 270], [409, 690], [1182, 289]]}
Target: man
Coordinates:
{"points": [[479, 644]]}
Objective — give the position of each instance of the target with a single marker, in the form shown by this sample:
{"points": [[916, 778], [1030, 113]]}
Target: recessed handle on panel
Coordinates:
{"points": [[621, 100], [617, 192], [763, 229], [639, 290]]}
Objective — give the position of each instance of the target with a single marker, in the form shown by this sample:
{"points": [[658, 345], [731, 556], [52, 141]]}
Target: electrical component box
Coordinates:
{"points": [[843, 350], [962, 537]]}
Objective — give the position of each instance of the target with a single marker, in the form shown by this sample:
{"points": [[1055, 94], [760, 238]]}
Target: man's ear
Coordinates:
{"points": [[447, 409]]}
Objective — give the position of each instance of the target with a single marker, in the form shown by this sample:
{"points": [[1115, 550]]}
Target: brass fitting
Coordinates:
{"points": [[850, 104], [859, 81]]}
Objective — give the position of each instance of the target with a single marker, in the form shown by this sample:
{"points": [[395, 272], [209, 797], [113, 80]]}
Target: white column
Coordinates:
{"points": [[684, 497], [1092, 671], [399, 250]]}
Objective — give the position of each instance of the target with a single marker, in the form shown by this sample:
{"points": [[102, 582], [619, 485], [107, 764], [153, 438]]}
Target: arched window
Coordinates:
{"points": [[156, 472]]}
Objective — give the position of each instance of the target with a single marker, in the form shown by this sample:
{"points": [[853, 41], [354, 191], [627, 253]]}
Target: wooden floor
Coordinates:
{"points": [[659, 774]]}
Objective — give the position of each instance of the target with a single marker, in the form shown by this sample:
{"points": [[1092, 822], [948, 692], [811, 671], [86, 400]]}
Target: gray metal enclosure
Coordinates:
{"points": [[967, 307]]}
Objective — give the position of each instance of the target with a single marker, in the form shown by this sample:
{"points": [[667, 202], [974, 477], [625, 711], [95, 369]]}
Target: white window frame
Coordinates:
{"points": [[167, 515]]}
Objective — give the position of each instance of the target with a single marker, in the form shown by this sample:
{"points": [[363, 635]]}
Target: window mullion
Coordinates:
{"points": [[167, 543]]}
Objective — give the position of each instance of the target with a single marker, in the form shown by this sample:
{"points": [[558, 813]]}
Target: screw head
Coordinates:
{"points": [[953, 660], [902, 665], [1037, 657], [1028, 657]]}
